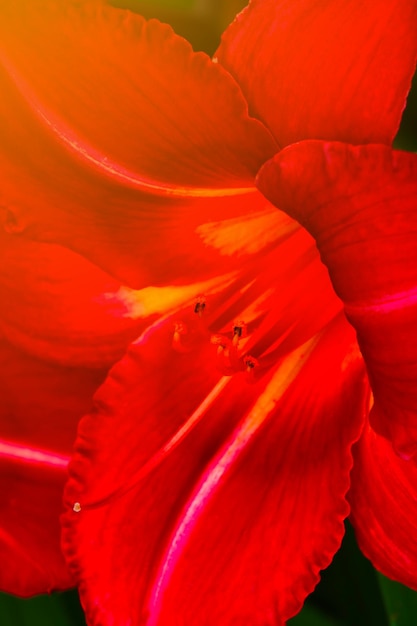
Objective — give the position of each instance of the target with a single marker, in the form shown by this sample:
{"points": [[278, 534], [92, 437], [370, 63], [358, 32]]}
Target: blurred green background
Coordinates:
{"points": [[351, 592]]}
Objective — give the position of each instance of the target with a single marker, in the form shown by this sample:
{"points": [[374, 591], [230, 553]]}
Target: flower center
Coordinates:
{"points": [[227, 339]]}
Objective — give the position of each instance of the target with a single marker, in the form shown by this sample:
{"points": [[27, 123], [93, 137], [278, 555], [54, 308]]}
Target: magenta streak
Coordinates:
{"points": [[219, 466], [392, 302], [35, 456], [203, 493]]}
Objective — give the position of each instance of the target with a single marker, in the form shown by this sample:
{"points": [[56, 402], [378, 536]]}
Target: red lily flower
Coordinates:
{"points": [[209, 481]]}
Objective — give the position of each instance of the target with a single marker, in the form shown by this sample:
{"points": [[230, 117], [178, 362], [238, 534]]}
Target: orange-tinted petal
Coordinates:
{"points": [[324, 70], [383, 497], [120, 140], [360, 204], [39, 409], [213, 500]]}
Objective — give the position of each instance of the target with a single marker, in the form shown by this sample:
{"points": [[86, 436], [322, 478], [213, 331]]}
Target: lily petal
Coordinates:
{"points": [[201, 483], [58, 306], [323, 70], [126, 140], [39, 409], [360, 204], [384, 508]]}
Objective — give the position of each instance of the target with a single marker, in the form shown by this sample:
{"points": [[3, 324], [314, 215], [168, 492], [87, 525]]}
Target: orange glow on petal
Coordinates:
{"points": [[98, 160], [140, 303], [249, 234]]}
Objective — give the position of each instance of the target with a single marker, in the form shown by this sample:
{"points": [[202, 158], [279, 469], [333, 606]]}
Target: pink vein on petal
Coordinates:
{"points": [[392, 302], [101, 162], [212, 476], [36, 456]]}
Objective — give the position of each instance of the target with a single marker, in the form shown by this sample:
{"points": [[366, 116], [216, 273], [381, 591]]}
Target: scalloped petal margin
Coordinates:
{"points": [[235, 521]]}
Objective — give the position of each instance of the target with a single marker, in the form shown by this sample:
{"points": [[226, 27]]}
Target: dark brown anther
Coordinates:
{"points": [[250, 363], [200, 305], [238, 331]]}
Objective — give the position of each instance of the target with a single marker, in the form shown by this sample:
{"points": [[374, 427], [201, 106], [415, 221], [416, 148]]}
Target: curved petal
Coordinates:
{"points": [[118, 140], [360, 204], [384, 508], [39, 409], [59, 306], [214, 500], [322, 70]]}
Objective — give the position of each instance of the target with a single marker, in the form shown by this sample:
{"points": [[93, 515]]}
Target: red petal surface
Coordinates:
{"points": [[120, 140], [324, 70], [59, 306], [360, 204], [384, 508], [39, 409], [231, 521]]}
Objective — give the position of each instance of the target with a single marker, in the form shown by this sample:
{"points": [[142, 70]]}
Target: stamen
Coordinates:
{"points": [[200, 305], [239, 331], [180, 330], [223, 345], [231, 354], [77, 507], [227, 357], [250, 363], [221, 342]]}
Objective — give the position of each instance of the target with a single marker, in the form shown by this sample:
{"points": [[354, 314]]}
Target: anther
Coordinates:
{"points": [[250, 363], [200, 305], [239, 331], [180, 330], [77, 507], [221, 342]]}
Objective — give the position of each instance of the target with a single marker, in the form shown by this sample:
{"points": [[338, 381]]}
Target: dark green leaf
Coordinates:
{"points": [[311, 616], [54, 610], [400, 602]]}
